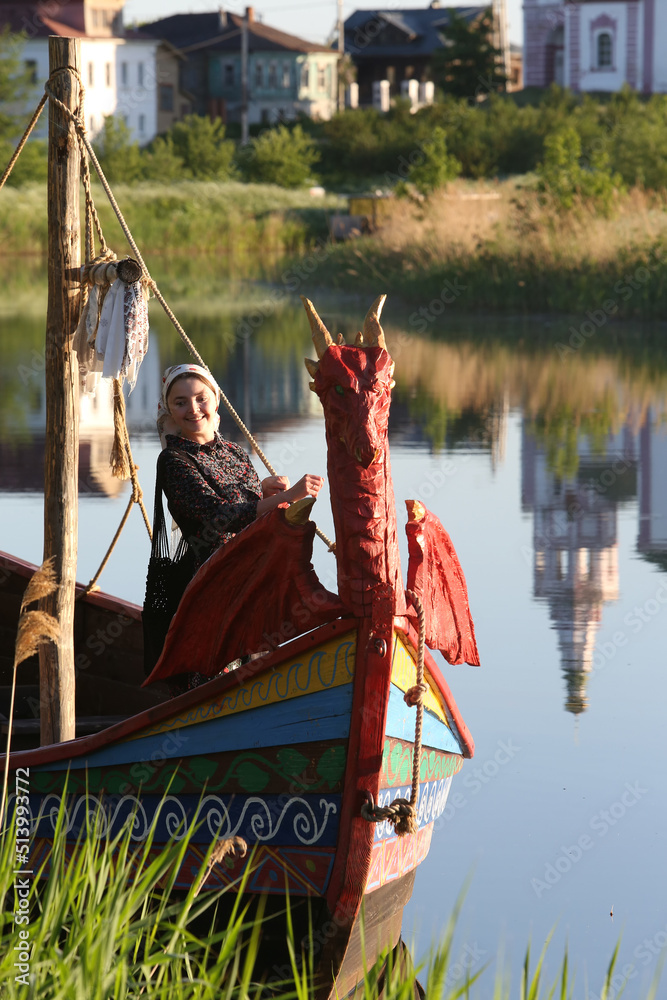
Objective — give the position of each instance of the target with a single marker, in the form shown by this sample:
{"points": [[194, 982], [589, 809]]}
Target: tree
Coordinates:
{"points": [[16, 89], [279, 156], [160, 161], [202, 147], [467, 65], [119, 157]]}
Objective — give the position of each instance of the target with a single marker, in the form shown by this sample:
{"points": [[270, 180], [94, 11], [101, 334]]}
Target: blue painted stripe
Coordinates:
{"points": [[401, 725], [324, 715], [431, 804], [297, 820]]}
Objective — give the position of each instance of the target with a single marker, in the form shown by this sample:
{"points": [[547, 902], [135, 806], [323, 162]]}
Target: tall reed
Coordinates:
{"points": [[105, 924]]}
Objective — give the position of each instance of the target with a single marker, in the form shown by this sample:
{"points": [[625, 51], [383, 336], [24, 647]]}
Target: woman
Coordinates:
{"points": [[214, 492], [211, 486]]}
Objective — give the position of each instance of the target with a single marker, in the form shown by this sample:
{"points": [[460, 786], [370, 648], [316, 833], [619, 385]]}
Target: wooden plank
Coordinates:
{"points": [[301, 767], [324, 715], [327, 666], [401, 725], [62, 438], [404, 626], [176, 706]]}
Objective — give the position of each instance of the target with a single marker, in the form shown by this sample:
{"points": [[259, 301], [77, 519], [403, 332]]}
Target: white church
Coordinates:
{"points": [[596, 45]]}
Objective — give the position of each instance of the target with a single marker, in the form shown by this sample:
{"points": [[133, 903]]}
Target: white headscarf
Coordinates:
{"points": [[170, 375]]}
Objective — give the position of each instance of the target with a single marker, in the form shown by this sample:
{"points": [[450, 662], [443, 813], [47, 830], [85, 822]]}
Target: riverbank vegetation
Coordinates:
{"points": [[106, 922], [522, 204]]}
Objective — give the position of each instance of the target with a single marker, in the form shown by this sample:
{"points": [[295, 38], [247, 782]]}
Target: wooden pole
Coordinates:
{"points": [[244, 79], [61, 453]]}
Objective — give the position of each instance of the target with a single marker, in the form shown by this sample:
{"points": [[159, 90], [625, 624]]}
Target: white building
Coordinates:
{"points": [[118, 67], [596, 46]]}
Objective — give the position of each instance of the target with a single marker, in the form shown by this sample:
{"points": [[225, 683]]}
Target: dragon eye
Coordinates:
{"points": [[339, 389]]}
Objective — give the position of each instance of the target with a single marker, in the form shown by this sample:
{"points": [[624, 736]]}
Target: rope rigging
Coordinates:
{"points": [[402, 813], [122, 462]]}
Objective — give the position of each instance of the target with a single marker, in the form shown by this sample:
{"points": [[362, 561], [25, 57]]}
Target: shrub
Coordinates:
{"points": [[566, 181], [279, 156], [437, 167]]}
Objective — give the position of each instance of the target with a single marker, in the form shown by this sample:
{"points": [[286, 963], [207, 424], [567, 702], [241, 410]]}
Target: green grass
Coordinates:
{"points": [[107, 925], [246, 222]]}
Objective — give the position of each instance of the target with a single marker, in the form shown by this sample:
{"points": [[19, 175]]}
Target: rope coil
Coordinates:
{"points": [[402, 813]]}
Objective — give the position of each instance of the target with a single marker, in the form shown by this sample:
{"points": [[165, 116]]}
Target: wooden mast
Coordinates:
{"points": [[61, 454]]}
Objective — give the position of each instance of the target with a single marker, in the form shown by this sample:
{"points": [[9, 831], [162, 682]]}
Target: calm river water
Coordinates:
{"points": [[549, 470]]}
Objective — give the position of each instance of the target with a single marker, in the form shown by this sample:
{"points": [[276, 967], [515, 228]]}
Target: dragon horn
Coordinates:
{"points": [[321, 336], [373, 332]]}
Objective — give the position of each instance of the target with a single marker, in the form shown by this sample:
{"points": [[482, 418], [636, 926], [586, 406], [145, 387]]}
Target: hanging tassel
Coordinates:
{"points": [[120, 466]]}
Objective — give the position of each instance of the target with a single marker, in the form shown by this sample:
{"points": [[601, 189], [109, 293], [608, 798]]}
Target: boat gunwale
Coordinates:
{"points": [[189, 699]]}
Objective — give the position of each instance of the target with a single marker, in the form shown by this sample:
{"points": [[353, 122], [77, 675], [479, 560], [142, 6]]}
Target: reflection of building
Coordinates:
{"points": [[575, 568], [652, 538]]}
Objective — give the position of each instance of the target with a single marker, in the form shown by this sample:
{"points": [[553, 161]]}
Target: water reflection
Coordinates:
{"points": [[593, 439]]}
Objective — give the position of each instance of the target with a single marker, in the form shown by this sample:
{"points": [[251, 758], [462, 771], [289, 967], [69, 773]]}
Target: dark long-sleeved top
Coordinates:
{"points": [[212, 495]]}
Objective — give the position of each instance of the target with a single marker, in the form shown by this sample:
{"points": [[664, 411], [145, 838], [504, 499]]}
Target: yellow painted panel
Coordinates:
{"points": [[404, 676], [331, 665]]}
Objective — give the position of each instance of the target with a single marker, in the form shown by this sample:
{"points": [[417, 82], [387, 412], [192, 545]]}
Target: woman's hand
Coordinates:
{"points": [[273, 485], [308, 486]]}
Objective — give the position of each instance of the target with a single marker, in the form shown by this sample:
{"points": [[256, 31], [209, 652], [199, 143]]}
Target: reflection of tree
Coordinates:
{"points": [[558, 434], [441, 426], [452, 391]]}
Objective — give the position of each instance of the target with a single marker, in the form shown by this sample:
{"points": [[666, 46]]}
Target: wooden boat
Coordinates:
{"points": [[287, 750], [307, 750]]}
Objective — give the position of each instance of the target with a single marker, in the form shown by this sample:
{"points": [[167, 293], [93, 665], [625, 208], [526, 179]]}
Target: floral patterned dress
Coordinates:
{"points": [[212, 494]]}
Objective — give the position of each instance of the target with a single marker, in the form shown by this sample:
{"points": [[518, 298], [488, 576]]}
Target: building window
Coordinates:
{"points": [[140, 74], [123, 74], [31, 70], [91, 74], [259, 75], [264, 115], [166, 96], [96, 19], [91, 123], [107, 74], [321, 78], [273, 76], [604, 50], [305, 75], [142, 124], [229, 75], [286, 76]]}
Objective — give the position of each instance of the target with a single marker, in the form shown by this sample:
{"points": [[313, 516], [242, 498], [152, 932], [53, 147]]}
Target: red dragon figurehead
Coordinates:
{"points": [[354, 383]]}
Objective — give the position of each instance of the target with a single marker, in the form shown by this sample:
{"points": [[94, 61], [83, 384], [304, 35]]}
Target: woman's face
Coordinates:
{"points": [[193, 408]]}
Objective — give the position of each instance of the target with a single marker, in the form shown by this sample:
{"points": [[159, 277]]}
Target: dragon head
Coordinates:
{"points": [[354, 383]]}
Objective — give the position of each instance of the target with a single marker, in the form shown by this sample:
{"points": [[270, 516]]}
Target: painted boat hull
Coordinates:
{"points": [[283, 752]]}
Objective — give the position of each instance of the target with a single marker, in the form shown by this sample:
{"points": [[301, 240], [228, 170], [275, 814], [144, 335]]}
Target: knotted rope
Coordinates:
{"points": [[402, 813]]}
